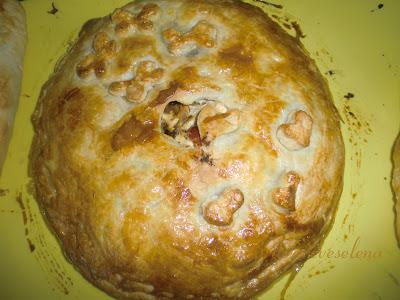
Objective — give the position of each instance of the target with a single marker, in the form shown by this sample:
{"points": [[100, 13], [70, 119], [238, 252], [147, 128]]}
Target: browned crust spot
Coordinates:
{"points": [[220, 212], [203, 34], [164, 95], [147, 73], [285, 197], [96, 63], [126, 21], [133, 132], [299, 131]]}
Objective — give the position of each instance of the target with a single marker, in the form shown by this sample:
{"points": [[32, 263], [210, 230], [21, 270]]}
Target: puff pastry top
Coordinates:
{"points": [[12, 50], [188, 150]]}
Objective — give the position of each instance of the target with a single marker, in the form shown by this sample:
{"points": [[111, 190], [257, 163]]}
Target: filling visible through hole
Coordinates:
{"points": [[179, 121]]}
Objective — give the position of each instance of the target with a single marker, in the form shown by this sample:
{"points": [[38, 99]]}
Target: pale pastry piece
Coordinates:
{"points": [[183, 150], [396, 183], [12, 50]]}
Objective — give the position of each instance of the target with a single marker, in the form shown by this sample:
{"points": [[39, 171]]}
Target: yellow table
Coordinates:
{"points": [[356, 43]]}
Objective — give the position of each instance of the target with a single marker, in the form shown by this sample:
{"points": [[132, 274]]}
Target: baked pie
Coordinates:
{"points": [[188, 150], [12, 50]]}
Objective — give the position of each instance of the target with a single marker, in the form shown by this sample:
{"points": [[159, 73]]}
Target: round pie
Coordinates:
{"points": [[186, 149]]}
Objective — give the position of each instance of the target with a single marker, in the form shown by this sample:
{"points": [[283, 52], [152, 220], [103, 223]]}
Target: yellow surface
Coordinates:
{"points": [[361, 46]]}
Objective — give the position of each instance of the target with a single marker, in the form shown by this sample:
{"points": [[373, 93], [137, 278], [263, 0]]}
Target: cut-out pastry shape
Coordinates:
{"points": [[96, 63], [220, 211], [203, 34], [296, 134], [104, 46], [134, 90], [126, 22], [286, 197]]}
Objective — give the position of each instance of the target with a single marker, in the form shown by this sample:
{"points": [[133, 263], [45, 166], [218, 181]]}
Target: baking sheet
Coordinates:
{"points": [[356, 45]]}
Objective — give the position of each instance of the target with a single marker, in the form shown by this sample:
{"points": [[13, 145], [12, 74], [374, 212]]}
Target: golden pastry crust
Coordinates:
{"points": [[396, 183], [12, 50], [182, 141]]}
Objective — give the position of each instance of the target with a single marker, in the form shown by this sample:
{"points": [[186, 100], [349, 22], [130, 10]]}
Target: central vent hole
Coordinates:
{"points": [[179, 121]]}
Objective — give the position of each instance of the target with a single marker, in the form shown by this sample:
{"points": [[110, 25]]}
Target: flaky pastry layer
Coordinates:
{"points": [[188, 150]]}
